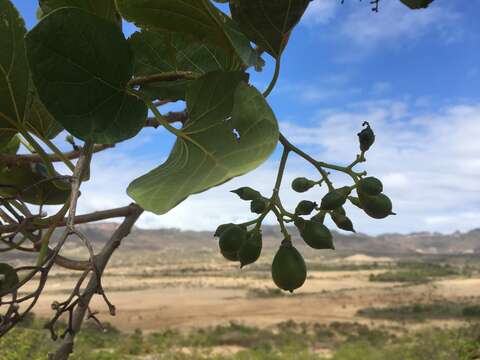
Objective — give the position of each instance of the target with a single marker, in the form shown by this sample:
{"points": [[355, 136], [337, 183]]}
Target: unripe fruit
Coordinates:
{"points": [[232, 239], [247, 193], [251, 249], [302, 184], [370, 186], [378, 207], [366, 137], [305, 207], [342, 221], [258, 206], [231, 256], [8, 278], [221, 228], [417, 4], [355, 201], [289, 271], [315, 234], [335, 198]]}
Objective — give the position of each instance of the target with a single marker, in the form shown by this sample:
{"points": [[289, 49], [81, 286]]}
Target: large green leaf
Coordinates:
{"points": [[103, 8], [157, 52], [81, 65], [14, 76], [268, 23], [31, 182], [41, 121], [198, 19], [231, 131]]}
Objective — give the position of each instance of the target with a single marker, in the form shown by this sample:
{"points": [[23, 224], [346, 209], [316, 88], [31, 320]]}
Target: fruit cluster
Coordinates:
{"points": [[289, 271]]}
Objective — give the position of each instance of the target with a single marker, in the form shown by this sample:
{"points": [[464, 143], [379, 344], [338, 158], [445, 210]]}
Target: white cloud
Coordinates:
{"points": [[320, 12], [396, 22]]}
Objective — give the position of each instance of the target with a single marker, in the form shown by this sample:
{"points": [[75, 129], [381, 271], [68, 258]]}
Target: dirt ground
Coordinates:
{"points": [[154, 297]]}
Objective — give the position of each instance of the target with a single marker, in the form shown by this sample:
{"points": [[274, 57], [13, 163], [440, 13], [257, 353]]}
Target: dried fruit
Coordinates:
{"points": [[366, 137]]}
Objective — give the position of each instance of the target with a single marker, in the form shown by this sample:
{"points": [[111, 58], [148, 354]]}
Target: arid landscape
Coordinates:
{"points": [[393, 285]]}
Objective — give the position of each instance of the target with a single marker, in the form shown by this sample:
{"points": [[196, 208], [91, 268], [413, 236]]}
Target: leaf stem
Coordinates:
{"points": [[274, 79]]}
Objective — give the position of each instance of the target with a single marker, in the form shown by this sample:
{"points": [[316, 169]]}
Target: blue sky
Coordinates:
{"points": [[414, 75]]}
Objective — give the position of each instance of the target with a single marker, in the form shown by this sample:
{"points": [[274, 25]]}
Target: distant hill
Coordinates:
{"points": [[420, 242], [174, 242]]}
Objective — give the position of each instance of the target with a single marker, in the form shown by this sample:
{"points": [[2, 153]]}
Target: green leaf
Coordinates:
{"points": [[157, 52], [31, 182], [102, 8], [8, 278], [14, 75], [268, 23], [81, 76], [41, 121], [198, 19], [231, 131], [9, 145]]}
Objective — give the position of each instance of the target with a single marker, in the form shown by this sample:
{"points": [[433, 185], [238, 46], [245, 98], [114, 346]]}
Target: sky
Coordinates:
{"points": [[413, 75]]}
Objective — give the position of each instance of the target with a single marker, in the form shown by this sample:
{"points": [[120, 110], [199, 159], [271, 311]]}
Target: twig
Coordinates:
{"points": [[101, 261]]}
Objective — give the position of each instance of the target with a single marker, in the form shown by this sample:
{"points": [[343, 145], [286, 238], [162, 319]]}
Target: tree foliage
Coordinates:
{"points": [[76, 74]]}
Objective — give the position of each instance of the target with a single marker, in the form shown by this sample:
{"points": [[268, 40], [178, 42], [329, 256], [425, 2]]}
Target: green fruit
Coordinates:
{"points": [[335, 198], [302, 184], [342, 222], [251, 249], [378, 207], [315, 234], [370, 186], [355, 201], [232, 239], [366, 137], [258, 206], [289, 271], [417, 4], [30, 182], [8, 278], [247, 193], [320, 217], [305, 207], [221, 228], [231, 256]]}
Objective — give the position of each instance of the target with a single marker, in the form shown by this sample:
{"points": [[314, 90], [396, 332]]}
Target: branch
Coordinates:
{"points": [[166, 76], [101, 261], [79, 219], [171, 117], [35, 158]]}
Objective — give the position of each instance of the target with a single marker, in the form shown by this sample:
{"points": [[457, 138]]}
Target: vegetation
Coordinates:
{"points": [[421, 312], [415, 272], [343, 341]]}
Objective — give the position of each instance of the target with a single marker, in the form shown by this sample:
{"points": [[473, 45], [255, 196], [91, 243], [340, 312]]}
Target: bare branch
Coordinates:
{"points": [[101, 261], [79, 219], [35, 158]]}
